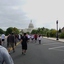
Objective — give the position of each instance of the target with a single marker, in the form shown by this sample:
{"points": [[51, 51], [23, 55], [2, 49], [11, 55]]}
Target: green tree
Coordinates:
{"points": [[34, 32], [45, 31], [53, 33], [27, 32], [15, 30], [1, 31], [11, 29], [62, 35], [39, 31]]}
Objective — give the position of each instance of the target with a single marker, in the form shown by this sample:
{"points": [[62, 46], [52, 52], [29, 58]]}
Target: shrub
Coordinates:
{"points": [[61, 35]]}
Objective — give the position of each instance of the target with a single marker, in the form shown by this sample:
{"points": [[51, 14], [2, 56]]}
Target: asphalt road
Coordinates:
{"points": [[48, 52]]}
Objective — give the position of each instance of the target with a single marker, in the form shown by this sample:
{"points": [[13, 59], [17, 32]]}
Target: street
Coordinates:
{"points": [[48, 52]]}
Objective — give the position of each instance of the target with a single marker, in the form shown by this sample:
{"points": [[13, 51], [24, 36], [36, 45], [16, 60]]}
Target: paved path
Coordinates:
{"points": [[48, 52]]}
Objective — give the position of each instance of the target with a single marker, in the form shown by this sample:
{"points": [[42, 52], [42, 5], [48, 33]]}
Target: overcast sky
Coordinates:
{"points": [[43, 13]]}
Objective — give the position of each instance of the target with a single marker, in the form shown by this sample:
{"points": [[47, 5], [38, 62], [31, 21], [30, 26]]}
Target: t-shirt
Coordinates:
{"points": [[2, 36], [4, 56], [39, 38], [24, 39]]}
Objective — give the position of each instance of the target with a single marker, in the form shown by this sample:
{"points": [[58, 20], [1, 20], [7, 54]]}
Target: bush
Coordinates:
{"points": [[53, 33], [61, 35]]}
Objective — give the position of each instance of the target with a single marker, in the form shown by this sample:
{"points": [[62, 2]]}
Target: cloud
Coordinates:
{"points": [[44, 13], [11, 2], [12, 15]]}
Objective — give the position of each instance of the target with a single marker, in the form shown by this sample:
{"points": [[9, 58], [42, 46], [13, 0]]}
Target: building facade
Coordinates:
{"points": [[29, 29]]}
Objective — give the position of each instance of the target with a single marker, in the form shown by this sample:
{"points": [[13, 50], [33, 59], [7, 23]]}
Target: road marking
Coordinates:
{"points": [[63, 59], [56, 47], [51, 43], [18, 43], [59, 50]]}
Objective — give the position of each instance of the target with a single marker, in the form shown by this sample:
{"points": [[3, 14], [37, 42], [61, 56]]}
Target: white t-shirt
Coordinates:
{"points": [[39, 38], [28, 36], [3, 36], [32, 36]]}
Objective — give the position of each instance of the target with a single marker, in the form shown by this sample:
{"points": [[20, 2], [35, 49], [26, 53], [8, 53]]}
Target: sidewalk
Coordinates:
{"points": [[61, 40]]}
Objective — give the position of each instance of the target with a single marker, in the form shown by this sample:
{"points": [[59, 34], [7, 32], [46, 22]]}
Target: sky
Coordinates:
{"points": [[43, 13]]}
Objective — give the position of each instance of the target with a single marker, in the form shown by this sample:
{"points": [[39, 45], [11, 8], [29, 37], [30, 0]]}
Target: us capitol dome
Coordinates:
{"points": [[30, 27]]}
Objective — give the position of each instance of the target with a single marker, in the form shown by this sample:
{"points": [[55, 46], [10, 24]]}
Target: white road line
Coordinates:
{"points": [[51, 43], [63, 59], [59, 50], [56, 47]]}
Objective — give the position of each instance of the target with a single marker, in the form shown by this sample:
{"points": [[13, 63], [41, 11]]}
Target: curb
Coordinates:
{"points": [[61, 40]]}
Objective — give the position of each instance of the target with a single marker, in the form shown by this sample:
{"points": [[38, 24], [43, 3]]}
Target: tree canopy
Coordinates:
{"points": [[11, 29], [1, 31]]}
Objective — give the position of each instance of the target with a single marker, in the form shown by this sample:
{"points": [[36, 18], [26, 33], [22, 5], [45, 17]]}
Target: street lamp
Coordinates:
{"points": [[57, 30]]}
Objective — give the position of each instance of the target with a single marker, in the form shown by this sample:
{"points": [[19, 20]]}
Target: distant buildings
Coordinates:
{"points": [[29, 29]]}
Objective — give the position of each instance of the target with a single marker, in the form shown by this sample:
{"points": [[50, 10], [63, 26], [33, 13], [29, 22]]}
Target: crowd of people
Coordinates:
{"points": [[12, 40]]}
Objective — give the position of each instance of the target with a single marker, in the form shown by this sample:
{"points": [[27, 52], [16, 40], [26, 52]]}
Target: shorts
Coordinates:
{"points": [[3, 39]]}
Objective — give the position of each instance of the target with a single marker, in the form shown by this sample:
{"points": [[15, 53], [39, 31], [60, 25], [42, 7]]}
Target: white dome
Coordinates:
{"points": [[31, 25]]}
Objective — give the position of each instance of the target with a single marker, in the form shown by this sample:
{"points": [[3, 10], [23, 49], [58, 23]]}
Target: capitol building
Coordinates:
{"points": [[29, 29]]}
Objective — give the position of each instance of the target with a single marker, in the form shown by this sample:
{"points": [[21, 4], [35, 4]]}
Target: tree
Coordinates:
{"points": [[15, 30], [62, 35], [11, 29], [1, 31], [53, 33], [27, 32], [34, 32], [43, 28]]}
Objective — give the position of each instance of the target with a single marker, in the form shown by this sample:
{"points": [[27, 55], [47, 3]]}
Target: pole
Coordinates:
{"points": [[57, 30]]}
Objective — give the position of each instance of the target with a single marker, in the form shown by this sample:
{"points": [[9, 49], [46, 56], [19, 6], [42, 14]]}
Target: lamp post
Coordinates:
{"points": [[57, 30]]}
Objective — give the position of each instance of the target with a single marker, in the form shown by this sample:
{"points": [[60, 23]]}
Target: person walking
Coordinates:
{"points": [[35, 37], [32, 37], [39, 39], [24, 40], [3, 39], [5, 56], [16, 39], [11, 41]]}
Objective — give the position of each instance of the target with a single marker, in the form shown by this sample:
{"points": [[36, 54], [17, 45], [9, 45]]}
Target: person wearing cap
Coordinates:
{"points": [[5, 56]]}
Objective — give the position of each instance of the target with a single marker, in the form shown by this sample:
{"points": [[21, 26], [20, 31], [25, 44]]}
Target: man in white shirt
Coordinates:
{"points": [[4, 56]]}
